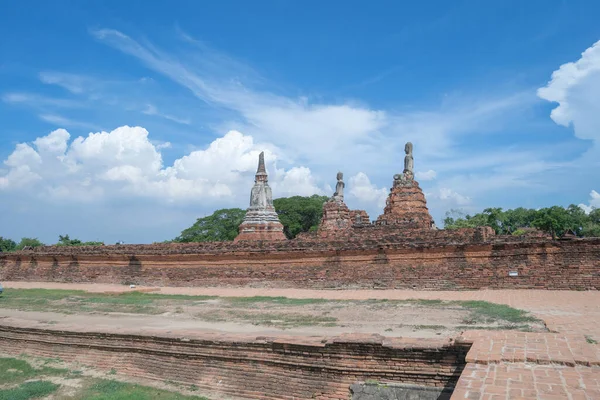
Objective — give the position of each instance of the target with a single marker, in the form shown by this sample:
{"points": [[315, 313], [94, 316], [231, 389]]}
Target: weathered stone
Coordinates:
{"points": [[261, 221], [397, 391], [359, 217], [408, 159], [406, 207], [336, 217], [338, 196]]}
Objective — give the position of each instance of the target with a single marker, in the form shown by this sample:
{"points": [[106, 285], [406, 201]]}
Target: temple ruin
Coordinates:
{"points": [[402, 249], [261, 221]]}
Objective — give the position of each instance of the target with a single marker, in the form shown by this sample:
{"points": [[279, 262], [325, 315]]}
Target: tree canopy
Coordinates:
{"points": [[222, 225], [29, 242], [555, 221], [67, 241], [297, 214], [7, 245]]}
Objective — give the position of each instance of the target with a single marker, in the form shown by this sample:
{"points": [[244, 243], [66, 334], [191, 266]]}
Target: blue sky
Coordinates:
{"points": [[128, 120]]}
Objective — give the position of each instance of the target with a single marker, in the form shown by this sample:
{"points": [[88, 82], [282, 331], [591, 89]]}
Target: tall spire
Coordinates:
{"points": [[261, 172], [261, 221]]}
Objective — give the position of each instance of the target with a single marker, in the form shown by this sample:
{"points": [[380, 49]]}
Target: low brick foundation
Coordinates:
{"points": [[255, 369], [456, 260]]}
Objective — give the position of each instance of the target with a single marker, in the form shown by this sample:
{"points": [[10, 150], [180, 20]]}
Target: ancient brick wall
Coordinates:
{"points": [[253, 369], [435, 260]]}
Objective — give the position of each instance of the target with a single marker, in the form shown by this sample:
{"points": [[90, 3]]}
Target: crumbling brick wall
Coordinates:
{"points": [[284, 368], [426, 260]]}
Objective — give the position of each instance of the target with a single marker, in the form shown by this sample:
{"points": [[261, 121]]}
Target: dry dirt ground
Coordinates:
{"points": [[246, 311], [283, 312]]}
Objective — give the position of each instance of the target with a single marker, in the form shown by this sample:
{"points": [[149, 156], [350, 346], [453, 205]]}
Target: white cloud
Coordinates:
{"points": [[72, 82], [426, 175], [59, 120], [361, 188], [152, 110], [296, 181], [593, 203], [449, 197], [125, 163], [575, 87], [308, 130]]}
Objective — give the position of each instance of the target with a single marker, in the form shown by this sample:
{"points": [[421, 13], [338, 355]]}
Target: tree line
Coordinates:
{"points": [[8, 245], [303, 214], [297, 214], [555, 221]]}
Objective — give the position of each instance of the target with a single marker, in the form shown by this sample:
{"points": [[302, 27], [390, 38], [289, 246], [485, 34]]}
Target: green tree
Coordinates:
{"points": [[29, 242], [495, 218], [456, 219], [299, 213], [221, 226], [594, 216], [67, 241], [591, 229], [7, 245], [591, 226], [514, 220], [576, 219], [553, 220]]}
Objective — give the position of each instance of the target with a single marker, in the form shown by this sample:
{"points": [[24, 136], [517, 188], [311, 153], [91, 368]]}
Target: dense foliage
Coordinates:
{"points": [[67, 241], [555, 221], [29, 242], [299, 214], [7, 245], [222, 225]]}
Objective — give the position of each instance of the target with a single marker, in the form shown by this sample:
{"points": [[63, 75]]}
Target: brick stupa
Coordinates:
{"points": [[406, 206], [337, 217], [261, 221]]}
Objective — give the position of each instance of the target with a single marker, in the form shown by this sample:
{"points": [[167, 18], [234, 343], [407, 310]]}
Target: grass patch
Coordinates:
{"points": [[70, 301], [29, 390], [285, 301], [484, 311], [14, 373], [590, 340], [426, 302], [429, 327], [13, 370], [115, 390], [278, 320]]}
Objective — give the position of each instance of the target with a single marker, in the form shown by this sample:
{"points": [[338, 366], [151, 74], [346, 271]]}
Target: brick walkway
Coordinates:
{"points": [[564, 364]]}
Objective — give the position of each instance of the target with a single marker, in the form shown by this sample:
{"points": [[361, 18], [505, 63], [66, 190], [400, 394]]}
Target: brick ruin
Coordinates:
{"points": [[261, 221], [239, 367], [401, 249]]}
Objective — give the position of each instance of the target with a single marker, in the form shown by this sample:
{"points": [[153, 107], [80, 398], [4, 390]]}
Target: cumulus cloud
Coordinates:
{"points": [[124, 162], [593, 203], [575, 87], [449, 197], [426, 175], [296, 181], [361, 188]]}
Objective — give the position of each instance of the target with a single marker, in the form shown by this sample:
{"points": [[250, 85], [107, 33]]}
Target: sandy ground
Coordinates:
{"points": [[332, 318]]}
